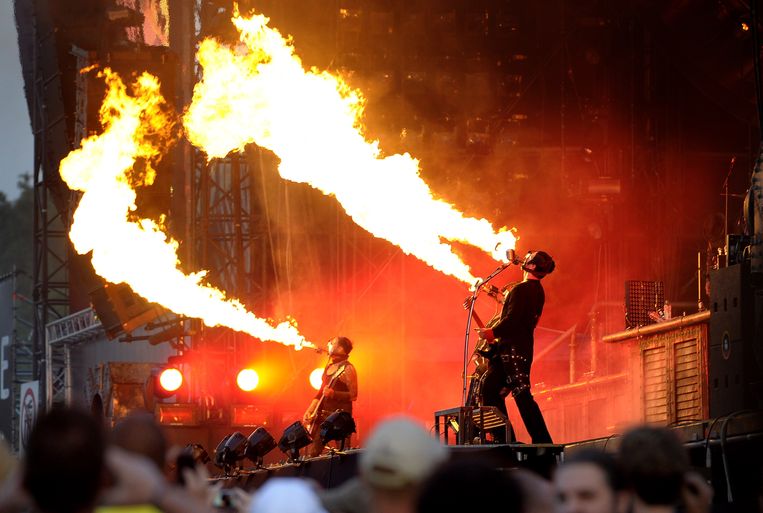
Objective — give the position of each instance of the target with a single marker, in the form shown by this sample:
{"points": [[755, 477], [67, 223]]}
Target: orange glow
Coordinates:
{"points": [[171, 379], [745, 26], [247, 379], [316, 378], [138, 129], [258, 92]]}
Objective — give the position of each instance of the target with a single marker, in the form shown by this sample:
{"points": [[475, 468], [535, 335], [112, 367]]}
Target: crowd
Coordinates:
{"points": [[73, 465]]}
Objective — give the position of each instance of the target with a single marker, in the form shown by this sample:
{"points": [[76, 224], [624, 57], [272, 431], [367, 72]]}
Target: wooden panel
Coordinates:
{"points": [[687, 380], [655, 385]]}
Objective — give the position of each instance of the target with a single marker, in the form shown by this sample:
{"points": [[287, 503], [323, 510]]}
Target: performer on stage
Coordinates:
{"points": [[512, 341], [338, 391]]}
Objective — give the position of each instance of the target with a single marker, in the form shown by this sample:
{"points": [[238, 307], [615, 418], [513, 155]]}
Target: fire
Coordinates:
{"points": [[258, 92], [138, 128]]}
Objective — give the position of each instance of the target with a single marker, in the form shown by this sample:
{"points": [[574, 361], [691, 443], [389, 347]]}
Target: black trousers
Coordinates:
{"points": [[495, 380]]}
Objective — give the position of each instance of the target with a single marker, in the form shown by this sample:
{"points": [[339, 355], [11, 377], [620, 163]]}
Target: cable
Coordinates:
{"points": [[724, 427]]}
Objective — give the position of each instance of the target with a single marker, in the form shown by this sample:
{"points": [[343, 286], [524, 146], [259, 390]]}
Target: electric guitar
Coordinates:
{"points": [[484, 347], [330, 384]]}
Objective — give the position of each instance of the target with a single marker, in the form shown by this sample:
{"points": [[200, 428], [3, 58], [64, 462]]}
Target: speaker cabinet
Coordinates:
{"points": [[736, 349], [120, 310]]}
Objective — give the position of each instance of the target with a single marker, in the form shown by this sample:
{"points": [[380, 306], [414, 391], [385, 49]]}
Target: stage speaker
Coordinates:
{"points": [[642, 297], [736, 341], [120, 310]]}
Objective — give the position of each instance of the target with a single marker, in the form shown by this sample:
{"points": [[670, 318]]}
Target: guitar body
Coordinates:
{"points": [[312, 424], [483, 347]]}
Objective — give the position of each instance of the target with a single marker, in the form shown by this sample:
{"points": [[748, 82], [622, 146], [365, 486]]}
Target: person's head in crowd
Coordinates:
{"points": [[398, 456], [590, 481], [64, 464], [537, 491], [286, 495], [654, 464], [139, 433], [469, 485], [8, 461]]}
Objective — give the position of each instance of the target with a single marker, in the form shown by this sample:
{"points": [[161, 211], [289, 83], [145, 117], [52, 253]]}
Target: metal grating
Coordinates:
{"points": [[642, 297]]}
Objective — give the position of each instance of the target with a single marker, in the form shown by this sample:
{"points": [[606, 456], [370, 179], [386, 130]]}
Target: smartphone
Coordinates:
{"points": [[184, 460], [223, 498]]}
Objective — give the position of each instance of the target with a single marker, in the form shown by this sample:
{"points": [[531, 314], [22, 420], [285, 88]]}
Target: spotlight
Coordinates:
{"points": [[337, 426], [220, 451], [247, 379], [170, 379], [259, 443], [294, 438], [316, 378], [166, 383], [230, 450]]}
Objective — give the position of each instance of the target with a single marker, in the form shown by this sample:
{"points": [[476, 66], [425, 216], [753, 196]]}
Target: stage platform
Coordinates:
{"points": [[334, 469], [727, 451]]}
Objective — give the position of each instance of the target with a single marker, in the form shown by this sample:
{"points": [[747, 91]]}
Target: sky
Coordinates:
{"points": [[15, 129]]}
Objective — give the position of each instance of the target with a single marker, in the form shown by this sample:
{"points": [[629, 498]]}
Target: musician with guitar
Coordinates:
{"points": [[512, 342], [338, 391]]}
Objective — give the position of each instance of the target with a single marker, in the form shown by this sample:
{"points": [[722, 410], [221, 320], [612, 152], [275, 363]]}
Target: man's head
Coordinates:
{"points": [[589, 481], [339, 347], [140, 433], [538, 264], [470, 485], [64, 461], [399, 455], [654, 463]]}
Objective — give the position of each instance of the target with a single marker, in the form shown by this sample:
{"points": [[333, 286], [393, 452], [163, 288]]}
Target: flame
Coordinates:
{"points": [[137, 129], [259, 92]]}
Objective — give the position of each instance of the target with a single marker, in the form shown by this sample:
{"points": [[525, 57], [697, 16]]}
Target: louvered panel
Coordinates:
{"points": [[687, 384], [655, 386]]}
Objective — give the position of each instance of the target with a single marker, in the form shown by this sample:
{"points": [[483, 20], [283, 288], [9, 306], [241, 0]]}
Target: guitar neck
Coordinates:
{"points": [[477, 320]]}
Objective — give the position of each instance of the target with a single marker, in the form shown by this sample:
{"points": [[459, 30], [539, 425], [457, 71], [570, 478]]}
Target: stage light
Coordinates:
{"points": [[170, 379], [220, 452], [259, 443], [294, 438], [230, 450], [337, 426], [316, 378], [247, 379]]}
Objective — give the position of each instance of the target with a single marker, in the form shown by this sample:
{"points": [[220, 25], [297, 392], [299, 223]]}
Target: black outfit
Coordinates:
{"points": [[510, 366], [341, 400]]}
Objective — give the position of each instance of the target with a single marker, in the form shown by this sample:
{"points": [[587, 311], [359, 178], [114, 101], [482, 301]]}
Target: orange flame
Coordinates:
{"points": [[259, 92], [137, 129]]}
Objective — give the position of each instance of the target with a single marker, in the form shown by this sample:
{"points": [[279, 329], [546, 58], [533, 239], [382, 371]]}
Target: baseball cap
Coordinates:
{"points": [[399, 453]]}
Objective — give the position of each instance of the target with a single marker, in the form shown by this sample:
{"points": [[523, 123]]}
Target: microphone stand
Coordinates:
{"points": [[472, 300]]}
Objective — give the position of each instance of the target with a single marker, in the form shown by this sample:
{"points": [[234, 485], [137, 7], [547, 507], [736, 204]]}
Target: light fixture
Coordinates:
{"points": [[247, 380], [294, 438], [337, 426], [230, 451], [316, 378], [220, 452], [259, 443], [171, 379], [167, 382]]}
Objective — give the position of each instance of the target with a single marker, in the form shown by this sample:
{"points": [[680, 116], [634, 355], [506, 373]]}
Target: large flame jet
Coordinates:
{"points": [[259, 92], [138, 129]]}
